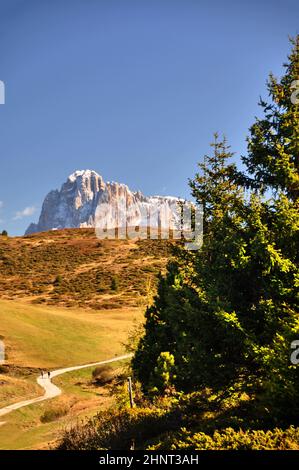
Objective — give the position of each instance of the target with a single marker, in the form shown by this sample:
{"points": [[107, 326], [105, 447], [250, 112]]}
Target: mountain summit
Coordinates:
{"points": [[84, 193]]}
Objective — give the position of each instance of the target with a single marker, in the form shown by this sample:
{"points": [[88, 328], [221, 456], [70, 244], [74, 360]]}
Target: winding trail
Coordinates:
{"points": [[51, 390]]}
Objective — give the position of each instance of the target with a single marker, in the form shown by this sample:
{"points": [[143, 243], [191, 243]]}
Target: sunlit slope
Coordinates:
{"points": [[73, 268], [43, 336]]}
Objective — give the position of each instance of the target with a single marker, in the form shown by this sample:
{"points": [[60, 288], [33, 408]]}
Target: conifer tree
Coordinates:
{"points": [[228, 314], [192, 317], [272, 166], [273, 146]]}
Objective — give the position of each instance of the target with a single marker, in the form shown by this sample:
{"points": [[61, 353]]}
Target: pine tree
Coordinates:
{"points": [[273, 165], [191, 317], [228, 314], [273, 146]]}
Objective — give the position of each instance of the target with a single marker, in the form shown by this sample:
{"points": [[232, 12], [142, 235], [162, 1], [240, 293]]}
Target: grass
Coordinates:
{"points": [[14, 389], [73, 268], [79, 382], [67, 298], [39, 426], [24, 428], [47, 337]]}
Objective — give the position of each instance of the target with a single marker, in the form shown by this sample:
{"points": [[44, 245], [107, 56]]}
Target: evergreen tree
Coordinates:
{"points": [[228, 314], [272, 167], [191, 317], [273, 146]]}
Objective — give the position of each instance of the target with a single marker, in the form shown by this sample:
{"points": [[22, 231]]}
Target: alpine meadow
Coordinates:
{"points": [[149, 233], [212, 365]]}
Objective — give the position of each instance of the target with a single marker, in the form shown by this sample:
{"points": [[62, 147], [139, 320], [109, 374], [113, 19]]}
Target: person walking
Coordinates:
{"points": [[49, 375]]}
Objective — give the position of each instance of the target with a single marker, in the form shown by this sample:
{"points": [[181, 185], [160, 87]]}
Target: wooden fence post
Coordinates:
{"points": [[130, 392]]}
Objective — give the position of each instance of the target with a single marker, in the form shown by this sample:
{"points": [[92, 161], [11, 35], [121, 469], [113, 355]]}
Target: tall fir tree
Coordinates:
{"points": [[192, 318], [227, 314], [273, 146]]}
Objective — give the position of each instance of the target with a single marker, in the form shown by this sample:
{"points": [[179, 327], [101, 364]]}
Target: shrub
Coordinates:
{"points": [[116, 430], [196, 421], [114, 284], [58, 280], [54, 413], [164, 371], [102, 375], [229, 439]]}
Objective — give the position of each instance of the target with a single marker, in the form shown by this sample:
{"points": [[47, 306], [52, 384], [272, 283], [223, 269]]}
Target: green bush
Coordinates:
{"points": [[117, 430], [229, 439], [58, 280], [174, 424], [54, 413]]}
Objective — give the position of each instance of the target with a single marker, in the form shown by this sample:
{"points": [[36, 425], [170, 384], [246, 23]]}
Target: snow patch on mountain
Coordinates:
{"points": [[85, 193]]}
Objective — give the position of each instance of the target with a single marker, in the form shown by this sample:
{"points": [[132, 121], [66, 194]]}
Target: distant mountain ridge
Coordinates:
{"points": [[77, 203]]}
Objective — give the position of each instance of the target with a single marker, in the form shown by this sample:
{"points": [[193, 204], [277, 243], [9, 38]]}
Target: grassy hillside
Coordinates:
{"points": [[51, 337], [40, 425], [16, 385], [75, 269], [48, 337], [67, 298]]}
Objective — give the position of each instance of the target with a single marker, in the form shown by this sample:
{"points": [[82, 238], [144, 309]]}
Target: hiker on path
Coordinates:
{"points": [[49, 375]]}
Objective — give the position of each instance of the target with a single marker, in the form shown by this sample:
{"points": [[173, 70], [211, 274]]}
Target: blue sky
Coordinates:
{"points": [[131, 89]]}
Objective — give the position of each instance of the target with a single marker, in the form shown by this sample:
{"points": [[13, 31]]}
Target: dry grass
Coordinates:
{"points": [[16, 388], [67, 298], [73, 268], [52, 337], [40, 425]]}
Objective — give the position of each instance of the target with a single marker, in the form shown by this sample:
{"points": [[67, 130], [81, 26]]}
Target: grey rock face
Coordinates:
{"points": [[81, 196]]}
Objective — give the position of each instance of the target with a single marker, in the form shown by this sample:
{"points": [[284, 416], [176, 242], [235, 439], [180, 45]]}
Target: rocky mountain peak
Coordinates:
{"points": [[76, 203]]}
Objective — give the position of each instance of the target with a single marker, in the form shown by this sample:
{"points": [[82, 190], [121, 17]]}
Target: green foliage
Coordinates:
{"points": [[4, 233], [114, 284], [273, 146], [229, 439], [115, 430], [193, 317], [194, 421], [218, 334], [227, 314], [58, 280], [164, 371]]}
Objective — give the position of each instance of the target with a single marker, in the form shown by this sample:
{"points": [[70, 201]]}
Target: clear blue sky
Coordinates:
{"points": [[131, 89]]}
